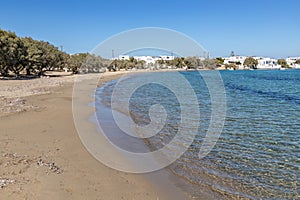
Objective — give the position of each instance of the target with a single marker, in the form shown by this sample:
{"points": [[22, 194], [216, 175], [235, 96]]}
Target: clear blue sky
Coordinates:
{"points": [[248, 27]]}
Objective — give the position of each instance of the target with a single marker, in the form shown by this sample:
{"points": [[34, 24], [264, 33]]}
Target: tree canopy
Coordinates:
{"points": [[251, 63], [220, 60], [13, 53], [42, 56], [283, 63], [36, 57]]}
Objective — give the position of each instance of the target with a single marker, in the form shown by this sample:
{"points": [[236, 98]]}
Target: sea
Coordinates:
{"points": [[257, 154]]}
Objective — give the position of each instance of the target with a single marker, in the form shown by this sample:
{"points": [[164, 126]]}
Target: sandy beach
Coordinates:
{"points": [[42, 156]]}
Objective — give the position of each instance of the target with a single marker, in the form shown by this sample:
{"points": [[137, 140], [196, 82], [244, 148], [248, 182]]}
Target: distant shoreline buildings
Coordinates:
{"points": [[263, 62], [147, 59], [292, 62], [238, 61]]}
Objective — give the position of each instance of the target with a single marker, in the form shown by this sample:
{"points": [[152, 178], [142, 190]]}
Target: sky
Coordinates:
{"points": [[247, 27]]}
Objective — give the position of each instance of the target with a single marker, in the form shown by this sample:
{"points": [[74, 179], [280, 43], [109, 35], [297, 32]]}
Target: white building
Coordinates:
{"points": [[291, 61], [267, 63], [238, 60], [147, 59], [263, 63]]}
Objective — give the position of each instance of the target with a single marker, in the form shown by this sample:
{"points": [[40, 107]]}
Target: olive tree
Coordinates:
{"points": [[283, 63], [251, 63], [42, 56], [13, 53]]}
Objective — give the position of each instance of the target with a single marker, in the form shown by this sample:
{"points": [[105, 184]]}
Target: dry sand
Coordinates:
{"points": [[42, 157]]}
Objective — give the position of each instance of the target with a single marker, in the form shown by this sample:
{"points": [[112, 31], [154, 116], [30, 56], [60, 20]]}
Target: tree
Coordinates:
{"points": [[75, 62], [179, 62], [12, 53], [210, 63], [116, 65], [129, 64], [42, 56], [113, 65], [160, 62], [191, 62], [85, 62], [132, 59], [140, 64], [283, 63], [251, 63], [231, 66], [220, 60], [17, 54]]}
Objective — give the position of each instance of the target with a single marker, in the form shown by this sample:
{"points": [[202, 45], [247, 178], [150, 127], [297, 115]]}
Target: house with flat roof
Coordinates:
{"points": [[267, 63], [148, 59], [237, 60]]}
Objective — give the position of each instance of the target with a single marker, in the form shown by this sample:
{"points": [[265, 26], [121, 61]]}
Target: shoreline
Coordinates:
{"points": [[177, 185], [162, 180]]}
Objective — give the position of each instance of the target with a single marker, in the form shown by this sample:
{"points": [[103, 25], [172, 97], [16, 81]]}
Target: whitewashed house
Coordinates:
{"points": [[267, 63], [148, 59], [238, 60]]}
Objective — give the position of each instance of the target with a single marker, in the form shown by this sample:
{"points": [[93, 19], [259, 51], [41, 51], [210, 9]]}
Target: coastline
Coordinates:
{"points": [[162, 181], [43, 158], [165, 179]]}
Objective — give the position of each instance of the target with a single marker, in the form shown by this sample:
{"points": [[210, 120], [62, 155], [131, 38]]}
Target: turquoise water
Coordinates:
{"points": [[258, 153]]}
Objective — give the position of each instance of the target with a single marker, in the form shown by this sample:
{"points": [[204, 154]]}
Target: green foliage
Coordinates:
{"points": [[251, 63], [94, 64], [13, 53], [192, 62], [283, 63], [17, 54], [220, 60], [210, 63], [117, 65], [140, 64], [132, 60], [231, 66], [75, 62], [36, 57], [42, 56], [161, 62], [179, 62]]}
